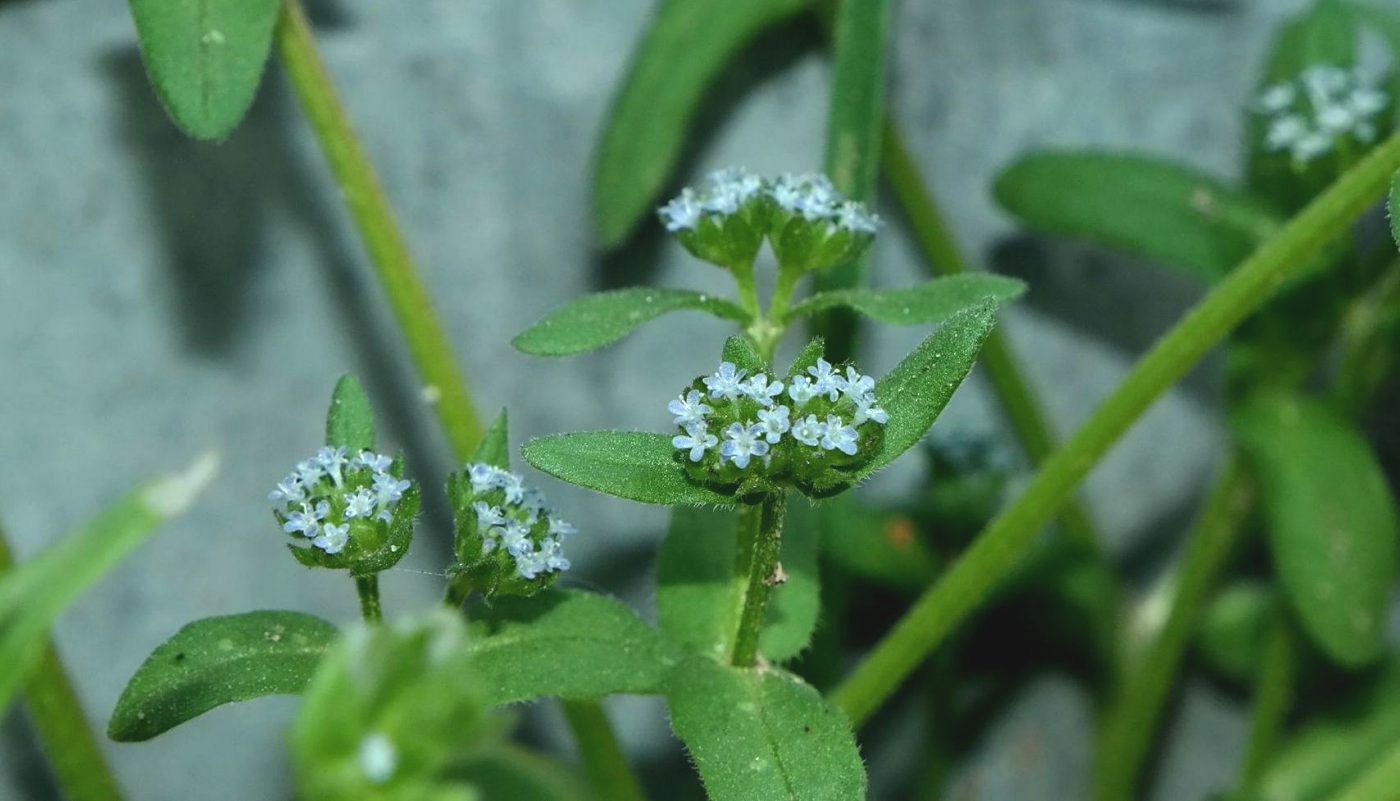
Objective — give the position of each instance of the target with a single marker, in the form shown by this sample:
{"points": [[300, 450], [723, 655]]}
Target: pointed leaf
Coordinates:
{"points": [[915, 392], [350, 419], [495, 445], [651, 116], [929, 302], [633, 465], [601, 319], [740, 351], [217, 661], [205, 58], [38, 591], [1331, 520], [763, 733], [566, 644], [1152, 208]]}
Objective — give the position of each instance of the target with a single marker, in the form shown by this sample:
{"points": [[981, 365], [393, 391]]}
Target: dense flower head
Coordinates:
{"points": [[1324, 110], [509, 540], [754, 432], [808, 223], [349, 511]]}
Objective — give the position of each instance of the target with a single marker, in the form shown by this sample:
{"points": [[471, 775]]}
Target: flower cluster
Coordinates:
{"points": [[355, 511], [1325, 108], [808, 223], [813, 431], [508, 540]]}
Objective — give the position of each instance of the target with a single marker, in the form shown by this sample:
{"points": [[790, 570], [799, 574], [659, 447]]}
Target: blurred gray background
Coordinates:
{"points": [[160, 297]]}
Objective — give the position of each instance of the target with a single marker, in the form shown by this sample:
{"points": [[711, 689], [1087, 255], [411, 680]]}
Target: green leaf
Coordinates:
{"points": [[495, 445], [1331, 520], [651, 116], [1152, 208], [37, 591], [929, 302], [217, 661], [566, 644], [1392, 208], [633, 465], [507, 771], [205, 58], [740, 351], [877, 545], [601, 319], [763, 733], [350, 420], [698, 596], [918, 388]]}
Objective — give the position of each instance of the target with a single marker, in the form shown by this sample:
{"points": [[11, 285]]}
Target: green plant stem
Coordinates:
{"points": [[756, 570], [368, 588], [388, 249], [1273, 695], [999, 547], [1130, 723], [58, 719], [603, 760], [394, 265], [942, 254], [1378, 783]]}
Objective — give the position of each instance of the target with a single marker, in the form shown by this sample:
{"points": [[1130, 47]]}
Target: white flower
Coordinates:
{"points": [[332, 460], [288, 490], [513, 486], [857, 386], [515, 536], [360, 503], [1335, 119], [483, 477], [553, 555], [1311, 146], [696, 439], [825, 380], [809, 430], [774, 423], [333, 538], [389, 489], [762, 389], [724, 199], [307, 520], [854, 218], [309, 472], [1366, 101], [787, 193], [1284, 132], [726, 382], [867, 410], [742, 443], [839, 436], [682, 213], [378, 758], [688, 409], [1276, 98], [529, 565], [559, 527], [801, 390], [737, 181], [487, 516], [374, 461], [1322, 81]]}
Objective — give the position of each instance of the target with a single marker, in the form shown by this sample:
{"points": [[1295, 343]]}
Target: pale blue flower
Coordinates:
{"points": [[360, 503], [483, 477], [554, 560], [389, 489], [801, 390], [289, 490], [487, 516], [688, 409], [1284, 132], [727, 382], [1276, 98], [513, 487], [333, 538], [809, 430], [375, 461], [378, 758], [839, 436], [742, 443], [857, 386], [307, 520], [774, 423], [515, 536], [682, 213], [867, 410], [309, 472], [854, 218], [560, 528], [696, 439], [332, 460], [763, 389], [825, 380], [787, 193]]}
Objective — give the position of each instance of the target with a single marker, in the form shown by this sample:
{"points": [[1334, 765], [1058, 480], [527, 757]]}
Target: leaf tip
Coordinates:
{"points": [[172, 495]]}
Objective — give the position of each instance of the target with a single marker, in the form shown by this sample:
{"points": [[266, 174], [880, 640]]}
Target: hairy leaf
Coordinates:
{"points": [[685, 48], [1331, 520], [205, 58], [763, 733], [1152, 208], [567, 644], [740, 351], [38, 591], [601, 319], [633, 465], [495, 445], [350, 420], [217, 661], [929, 302], [918, 388]]}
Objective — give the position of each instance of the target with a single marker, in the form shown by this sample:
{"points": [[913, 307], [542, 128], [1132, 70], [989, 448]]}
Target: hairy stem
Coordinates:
{"points": [[368, 588], [1130, 724], [394, 265], [603, 759], [57, 717], [1000, 546], [756, 570]]}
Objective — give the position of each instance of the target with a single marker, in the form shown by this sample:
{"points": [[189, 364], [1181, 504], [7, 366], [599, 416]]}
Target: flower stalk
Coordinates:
{"points": [[757, 570]]}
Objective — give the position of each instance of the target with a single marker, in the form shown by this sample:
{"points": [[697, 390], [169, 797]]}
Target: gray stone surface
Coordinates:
{"points": [[160, 297]]}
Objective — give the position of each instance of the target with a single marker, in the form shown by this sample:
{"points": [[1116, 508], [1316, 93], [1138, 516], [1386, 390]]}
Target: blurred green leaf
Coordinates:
{"points": [[593, 321], [1235, 630], [763, 733], [697, 599], [687, 45], [633, 465], [506, 771], [918, 388], [566, 644], [1152, 208], [205, 58], [217, 661], [929, 302], [1331, 520], [350, 419], [877, 545], [38, 591]]}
